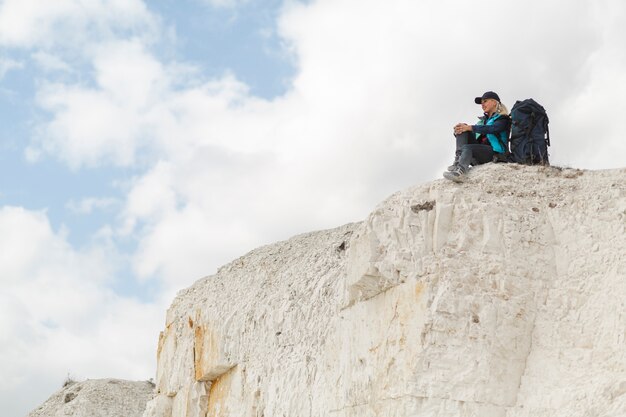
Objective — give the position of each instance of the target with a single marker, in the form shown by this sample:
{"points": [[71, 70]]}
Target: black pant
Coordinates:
{"points": [[471, 152]]}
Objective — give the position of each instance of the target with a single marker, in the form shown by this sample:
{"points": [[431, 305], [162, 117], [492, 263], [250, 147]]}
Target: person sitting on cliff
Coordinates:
{"points": [[477, 144]]}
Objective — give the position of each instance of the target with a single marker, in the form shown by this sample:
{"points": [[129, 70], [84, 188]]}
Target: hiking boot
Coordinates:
{"points": [[455, 164], [458, 175]]}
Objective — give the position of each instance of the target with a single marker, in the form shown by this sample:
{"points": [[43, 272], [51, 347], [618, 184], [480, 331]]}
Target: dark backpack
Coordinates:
{"points": [[530, 136]]}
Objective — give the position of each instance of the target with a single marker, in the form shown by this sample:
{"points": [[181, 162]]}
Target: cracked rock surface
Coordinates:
{"points": [[504, 296], [501, 297]]}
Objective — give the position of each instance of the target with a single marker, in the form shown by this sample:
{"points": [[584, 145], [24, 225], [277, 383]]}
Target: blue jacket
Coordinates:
{"points": [[496, 129]]}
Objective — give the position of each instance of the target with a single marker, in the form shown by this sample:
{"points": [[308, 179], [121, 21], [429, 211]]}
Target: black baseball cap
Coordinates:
{"points": [[488, 94]]}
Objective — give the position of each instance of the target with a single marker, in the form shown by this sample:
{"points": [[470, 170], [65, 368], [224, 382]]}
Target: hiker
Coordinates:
{"points": [[477, 144]]}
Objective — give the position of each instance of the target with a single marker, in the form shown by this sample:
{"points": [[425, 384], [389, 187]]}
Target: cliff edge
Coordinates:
{"points": [[501, 297], [504, 296]]}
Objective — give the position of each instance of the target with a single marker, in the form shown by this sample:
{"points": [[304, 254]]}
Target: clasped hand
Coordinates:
{"points": [[462, 127]]}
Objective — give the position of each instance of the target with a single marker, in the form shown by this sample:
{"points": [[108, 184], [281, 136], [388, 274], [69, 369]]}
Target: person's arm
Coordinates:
{"points": [[501, 124]]}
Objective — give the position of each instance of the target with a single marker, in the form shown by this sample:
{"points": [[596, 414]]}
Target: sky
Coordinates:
{"points": [[145, 144]]}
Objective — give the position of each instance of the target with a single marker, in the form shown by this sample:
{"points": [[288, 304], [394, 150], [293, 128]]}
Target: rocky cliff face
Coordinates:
{"points": [[501, 297]]}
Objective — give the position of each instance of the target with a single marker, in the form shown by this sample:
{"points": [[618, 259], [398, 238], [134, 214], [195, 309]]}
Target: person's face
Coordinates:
{"points": [[489, 105]]}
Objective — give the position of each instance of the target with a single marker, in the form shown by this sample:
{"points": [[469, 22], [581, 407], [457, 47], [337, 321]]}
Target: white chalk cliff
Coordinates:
{"points": [[501, 297]]}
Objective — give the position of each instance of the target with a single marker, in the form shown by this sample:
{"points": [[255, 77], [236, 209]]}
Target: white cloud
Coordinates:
{"points": [[150, 197], [225, 3], [69, 23], [49, 62], [89, 205], [90, 123], [58, 315], [7, 65], [590, 139]]}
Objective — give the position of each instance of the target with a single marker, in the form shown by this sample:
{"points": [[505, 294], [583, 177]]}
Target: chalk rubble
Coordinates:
{"points": [[98, 398]]}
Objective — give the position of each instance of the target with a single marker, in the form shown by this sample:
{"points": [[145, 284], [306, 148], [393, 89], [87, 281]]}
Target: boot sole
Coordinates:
{"points": [[456, 178]]}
